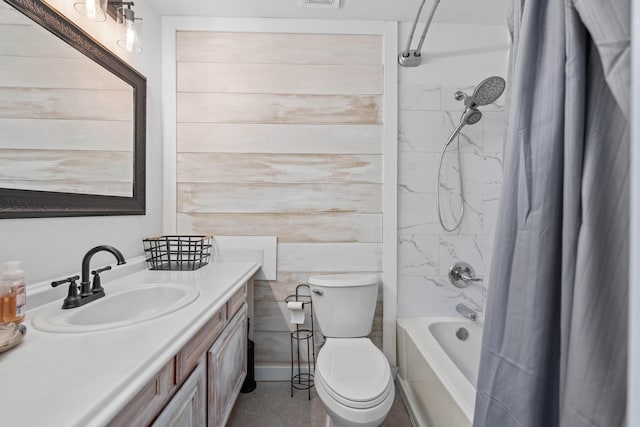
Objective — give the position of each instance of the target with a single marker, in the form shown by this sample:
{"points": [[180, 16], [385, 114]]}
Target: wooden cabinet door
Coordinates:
{"points": [[188, 406], [144, 407], [227, 367]]}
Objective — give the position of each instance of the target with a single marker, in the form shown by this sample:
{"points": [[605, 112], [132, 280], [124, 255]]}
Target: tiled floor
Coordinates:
{"points": [[271, 405]]}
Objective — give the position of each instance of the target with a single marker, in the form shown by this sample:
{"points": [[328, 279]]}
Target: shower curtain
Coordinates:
{"points": [[554, 351]]}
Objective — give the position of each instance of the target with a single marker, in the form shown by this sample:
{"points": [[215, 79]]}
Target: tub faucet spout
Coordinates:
{"points": [[466, 312]]}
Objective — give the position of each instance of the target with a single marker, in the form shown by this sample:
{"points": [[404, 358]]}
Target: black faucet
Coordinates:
{"points": [[88, 293]]}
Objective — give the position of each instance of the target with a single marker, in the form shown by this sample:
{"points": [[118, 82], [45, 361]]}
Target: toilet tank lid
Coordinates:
{"points": [[343, 280]]}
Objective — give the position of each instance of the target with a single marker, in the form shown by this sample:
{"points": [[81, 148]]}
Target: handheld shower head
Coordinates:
{"points": [[488, 90], [471, 116], [485, 93]]}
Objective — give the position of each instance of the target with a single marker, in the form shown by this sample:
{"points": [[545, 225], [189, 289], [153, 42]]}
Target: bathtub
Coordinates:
{"points": [[437, 370]]}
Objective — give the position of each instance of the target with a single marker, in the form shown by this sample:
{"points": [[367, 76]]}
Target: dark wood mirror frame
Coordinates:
{"points": [[41, 204]]}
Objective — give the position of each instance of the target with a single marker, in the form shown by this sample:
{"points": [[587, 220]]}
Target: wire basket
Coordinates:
{"points": [[177, 252]]}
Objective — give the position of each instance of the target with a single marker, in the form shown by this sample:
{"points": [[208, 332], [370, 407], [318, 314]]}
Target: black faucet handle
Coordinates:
{"points": [[100, 270], [97, 283], [73, 297], [70, 280]]}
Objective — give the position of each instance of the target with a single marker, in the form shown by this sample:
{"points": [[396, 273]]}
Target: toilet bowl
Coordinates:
{"points": [[354, 382], [352, 375]]}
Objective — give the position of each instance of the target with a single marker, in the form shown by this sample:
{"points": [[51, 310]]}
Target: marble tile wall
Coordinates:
{"points": [[428, 114]]}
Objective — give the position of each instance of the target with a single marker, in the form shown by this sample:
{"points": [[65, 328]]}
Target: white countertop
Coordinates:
{"points": [[85, 379]]}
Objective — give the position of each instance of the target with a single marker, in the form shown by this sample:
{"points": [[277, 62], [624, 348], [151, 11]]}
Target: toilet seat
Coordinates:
{"points": [[354, 372]]}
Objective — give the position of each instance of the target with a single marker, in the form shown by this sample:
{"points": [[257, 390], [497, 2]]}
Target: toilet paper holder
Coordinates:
{"points": [[303, 351]]}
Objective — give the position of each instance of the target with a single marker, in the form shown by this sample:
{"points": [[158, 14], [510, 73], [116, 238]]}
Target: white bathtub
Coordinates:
{"points": [[438, 371]]}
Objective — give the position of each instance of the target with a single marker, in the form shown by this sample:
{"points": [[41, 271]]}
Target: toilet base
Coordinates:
{"points": [[330, 423], [339, 415]]}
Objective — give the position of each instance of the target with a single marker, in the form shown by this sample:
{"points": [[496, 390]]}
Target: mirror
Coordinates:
{"points": [[72, 120]]}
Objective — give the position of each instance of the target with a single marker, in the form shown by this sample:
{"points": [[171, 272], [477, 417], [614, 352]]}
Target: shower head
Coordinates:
{"points": [[488, 90], [471, 116]]}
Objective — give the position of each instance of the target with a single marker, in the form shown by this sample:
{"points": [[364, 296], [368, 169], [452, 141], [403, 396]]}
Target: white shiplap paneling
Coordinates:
{"points": [[282, 134], [277, 48], [352, 79], [289, 227], [278, 198], [329, 257], [278, 138], [278, 168], [199, 107]]}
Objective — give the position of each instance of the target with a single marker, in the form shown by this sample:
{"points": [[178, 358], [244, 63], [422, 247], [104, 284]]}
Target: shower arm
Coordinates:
{"points": [[405, 52], [409, 57]]}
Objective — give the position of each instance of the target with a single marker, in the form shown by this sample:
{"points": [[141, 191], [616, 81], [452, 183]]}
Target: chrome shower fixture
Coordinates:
{"points": [[485, 93], [412, 57], [471, 116]]}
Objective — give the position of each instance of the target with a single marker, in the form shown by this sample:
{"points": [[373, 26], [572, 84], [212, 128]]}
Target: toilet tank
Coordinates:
{"points": [[344, 304]]}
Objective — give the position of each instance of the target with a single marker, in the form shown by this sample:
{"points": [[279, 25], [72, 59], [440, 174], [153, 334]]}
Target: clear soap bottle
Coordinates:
{"points": [[13, 293]]}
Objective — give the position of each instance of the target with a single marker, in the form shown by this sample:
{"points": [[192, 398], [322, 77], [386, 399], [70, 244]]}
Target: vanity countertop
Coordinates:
{"points": [[85, 379]]}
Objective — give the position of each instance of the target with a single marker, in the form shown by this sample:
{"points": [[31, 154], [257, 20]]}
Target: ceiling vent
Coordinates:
{"points": [[326, 4]]}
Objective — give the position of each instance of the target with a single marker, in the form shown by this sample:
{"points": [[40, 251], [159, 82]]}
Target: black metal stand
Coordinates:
{"points": [[302, 346]]}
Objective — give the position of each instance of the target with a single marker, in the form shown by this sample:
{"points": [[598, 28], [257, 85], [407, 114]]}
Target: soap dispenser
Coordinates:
{"points": [[14, 294]]}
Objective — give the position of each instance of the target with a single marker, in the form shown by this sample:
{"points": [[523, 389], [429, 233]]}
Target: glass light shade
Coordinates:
{"points": [[132, 28], [96, 10]]}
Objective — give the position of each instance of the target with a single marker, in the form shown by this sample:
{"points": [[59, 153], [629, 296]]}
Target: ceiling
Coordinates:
{"points": [[490, 12]]}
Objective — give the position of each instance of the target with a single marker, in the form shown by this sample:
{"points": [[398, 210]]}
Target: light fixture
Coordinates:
{"points": [[131, 40], [122, 12], [96, 10]]}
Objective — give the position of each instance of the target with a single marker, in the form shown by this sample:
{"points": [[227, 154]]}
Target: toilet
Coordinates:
{"points": [[352, 376]]}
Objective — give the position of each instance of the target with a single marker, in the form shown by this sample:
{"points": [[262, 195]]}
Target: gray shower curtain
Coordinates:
{"points": [[554, 351]]}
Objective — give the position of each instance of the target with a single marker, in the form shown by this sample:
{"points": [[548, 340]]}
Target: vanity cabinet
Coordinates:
{"points": [[188, 407], [227, 367], [199, 386]]}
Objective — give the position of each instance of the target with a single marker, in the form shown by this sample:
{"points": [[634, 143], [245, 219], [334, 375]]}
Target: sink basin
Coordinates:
{"points": [[123, 307]]}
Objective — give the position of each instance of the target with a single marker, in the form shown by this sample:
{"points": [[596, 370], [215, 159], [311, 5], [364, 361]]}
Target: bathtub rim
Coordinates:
{"points": [[462, 391]]}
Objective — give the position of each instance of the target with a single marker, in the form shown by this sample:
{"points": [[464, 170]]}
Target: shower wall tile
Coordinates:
{"points": [[421, 131], [493, 173], [417, 213], [470, 138], [490, 213], [419, 98], [436, 296], [417, 172], [495, 124], [473, 223], [451, 208], [474, 169], [419, 255], [428, 115], [468, 248]]}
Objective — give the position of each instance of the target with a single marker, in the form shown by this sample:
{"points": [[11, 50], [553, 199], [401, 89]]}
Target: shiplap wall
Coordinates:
{"points": [[281, 134], [62, 125]]}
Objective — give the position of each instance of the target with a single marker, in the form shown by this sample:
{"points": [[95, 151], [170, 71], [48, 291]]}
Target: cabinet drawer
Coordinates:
{"points": [[187, 358], [144, 407], [236, 301]]}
